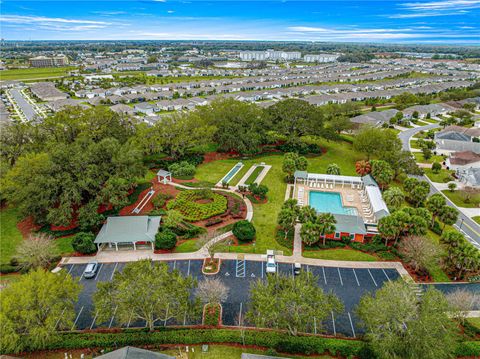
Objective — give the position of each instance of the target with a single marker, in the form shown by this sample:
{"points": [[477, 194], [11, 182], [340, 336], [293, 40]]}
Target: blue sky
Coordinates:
{"points": [[408, 21]]}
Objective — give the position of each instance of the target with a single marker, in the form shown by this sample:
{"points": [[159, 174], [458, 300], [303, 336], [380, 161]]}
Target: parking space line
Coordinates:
{"points": [[94, 319], [98, 272], [314, 325], [188, 270], [324, 276], [292, 270], [174, 264], [76, 320], [79, 279], [113, 316], [356, 278], [372, 278], [60, 318], [351, 324], [185, 318], [262, 269], [71, 268], [333, 322], [308, 269], [114, 269], [386, 275], [340, 276]]}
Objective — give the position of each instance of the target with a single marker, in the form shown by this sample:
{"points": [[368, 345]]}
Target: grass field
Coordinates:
{"points": [[265, 215], [253, 176], [10, 236], [34, 73], [340, 254], [476, 219], [419, 157], [456, 197], [435, 269], [443, 176]]}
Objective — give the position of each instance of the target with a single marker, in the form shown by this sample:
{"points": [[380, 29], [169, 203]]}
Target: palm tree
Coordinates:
{"points": [[327, 222], [307, 214], [287, 218], [363, 168], [333, 169]]}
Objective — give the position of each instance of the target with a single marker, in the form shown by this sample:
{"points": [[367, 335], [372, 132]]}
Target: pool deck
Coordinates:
{"points": [[346, 192]]}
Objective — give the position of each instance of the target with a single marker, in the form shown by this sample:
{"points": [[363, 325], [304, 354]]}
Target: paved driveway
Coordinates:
{"points": [[24, 105]]}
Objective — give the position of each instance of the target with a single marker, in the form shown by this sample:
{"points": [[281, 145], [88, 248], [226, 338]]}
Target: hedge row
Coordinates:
{"points": [[281, 342]]}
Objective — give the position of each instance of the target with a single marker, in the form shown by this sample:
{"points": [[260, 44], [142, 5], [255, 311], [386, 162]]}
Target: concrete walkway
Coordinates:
{"points": [[297, 242]]}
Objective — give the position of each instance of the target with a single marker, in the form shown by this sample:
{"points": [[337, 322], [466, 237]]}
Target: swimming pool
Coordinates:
{"points": [[329, 202], [232, 172]]}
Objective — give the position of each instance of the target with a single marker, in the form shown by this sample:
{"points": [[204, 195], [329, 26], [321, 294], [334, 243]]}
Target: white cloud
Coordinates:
{"points": [[442, 5], [436, 8], [170, 11], [19, 19]]}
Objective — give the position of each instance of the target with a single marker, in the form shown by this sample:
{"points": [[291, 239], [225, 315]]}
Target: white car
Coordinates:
{"points": [[271, 264]]}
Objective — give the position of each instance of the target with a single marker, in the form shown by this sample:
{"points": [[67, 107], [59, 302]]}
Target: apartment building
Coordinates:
{"points": [[48, 61]]}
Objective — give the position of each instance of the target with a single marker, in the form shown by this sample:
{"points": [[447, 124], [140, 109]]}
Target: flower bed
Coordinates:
{"points": [[197, 205], [212, 315]]}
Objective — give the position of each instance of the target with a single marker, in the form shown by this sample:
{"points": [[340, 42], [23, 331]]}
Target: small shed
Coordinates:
{"points": [[125, 230]]}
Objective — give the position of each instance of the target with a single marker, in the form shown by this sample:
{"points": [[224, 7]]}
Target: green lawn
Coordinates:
{"points": [[10, 236], [475, 322], [265, 215], [476, 219], [414, 144], [456, 197], [419, 157], [187, 246], [341, 255], [238, 176], [443, 176], [435, 269], [34, 73], [253, 176]]}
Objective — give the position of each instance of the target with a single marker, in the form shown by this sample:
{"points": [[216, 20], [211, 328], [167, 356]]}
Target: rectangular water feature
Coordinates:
{"points": [[232, 172], [329, 202]]}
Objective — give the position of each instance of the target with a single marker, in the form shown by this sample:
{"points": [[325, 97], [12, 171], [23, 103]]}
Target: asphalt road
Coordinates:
{"points": [[467, 226], [24, 105]]}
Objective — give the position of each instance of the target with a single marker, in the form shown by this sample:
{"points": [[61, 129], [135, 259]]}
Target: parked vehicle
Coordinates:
{"points": [[91, 270], [297, 268], [271, 263]]}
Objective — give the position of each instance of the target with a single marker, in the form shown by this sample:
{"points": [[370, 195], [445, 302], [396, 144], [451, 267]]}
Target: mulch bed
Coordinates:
{"points": [[27, 226], [215, 156]]}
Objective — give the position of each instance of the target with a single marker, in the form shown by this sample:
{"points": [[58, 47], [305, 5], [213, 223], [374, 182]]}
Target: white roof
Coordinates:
{"points": [[375, 197], [321, 176]]}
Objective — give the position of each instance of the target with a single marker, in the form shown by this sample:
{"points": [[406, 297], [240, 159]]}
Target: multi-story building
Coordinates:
{"points": [[321, 58], [49, 61], [269, 55]]}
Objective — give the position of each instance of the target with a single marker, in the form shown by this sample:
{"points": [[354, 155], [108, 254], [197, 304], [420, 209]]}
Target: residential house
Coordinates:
{"points": [[375, 118], [456, 138], [145, 108]]}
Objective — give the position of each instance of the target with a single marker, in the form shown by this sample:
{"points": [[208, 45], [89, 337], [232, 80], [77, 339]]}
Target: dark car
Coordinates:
{"points": [[91, 270]]}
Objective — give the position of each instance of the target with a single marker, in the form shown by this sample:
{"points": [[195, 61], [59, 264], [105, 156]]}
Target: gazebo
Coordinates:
{"points": [[131, 230], [167, 176]]}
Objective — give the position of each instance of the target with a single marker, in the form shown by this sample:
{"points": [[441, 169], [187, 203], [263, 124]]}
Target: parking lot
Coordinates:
{"points": [[347, 283]]}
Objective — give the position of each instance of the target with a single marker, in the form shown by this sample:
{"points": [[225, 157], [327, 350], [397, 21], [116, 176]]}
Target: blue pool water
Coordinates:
{"points": [[329, 202], [232, 172]]}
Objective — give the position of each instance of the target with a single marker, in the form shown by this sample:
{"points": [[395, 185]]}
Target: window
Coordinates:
{"points": [[337, 235]]}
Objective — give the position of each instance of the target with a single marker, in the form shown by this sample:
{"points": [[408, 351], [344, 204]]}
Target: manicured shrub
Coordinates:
{"points": [[258, 190], [7, 268], [160, 200], [196, 205], [83, 243], [165, 239], [244, 231], [436, 167], [182, 169]]}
